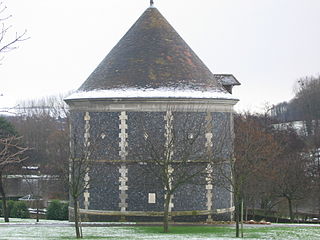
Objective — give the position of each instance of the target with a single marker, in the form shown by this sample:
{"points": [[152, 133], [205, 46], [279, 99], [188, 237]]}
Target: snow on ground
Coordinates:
{"points": [[65, 231], [28, 233], [151, 93], [15, 221]]}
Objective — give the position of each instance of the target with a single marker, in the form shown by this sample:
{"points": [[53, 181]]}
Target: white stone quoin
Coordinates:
{"points": [[123, 170], [169, 149], [86, 194], [209, 169]]}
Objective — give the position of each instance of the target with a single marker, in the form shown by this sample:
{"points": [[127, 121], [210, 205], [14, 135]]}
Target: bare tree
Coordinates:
{"points": [[44, 123], [255, 149], [79, 168], [292, 182], [307, 98], [11, 153], [314, 173], [77, 174], [38, 183], [175, 155], [308, 101], [290, 178], [8, 41], [52, 106]]}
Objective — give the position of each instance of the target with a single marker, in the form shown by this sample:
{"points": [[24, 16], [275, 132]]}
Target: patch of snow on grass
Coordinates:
{"points": [[66, 231]]}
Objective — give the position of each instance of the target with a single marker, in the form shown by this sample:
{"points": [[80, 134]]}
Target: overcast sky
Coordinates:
{"points": [[266, 44]]}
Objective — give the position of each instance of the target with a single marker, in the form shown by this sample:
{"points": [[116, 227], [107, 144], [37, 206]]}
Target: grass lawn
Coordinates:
{"points": [[207, 232], [154, 233]]}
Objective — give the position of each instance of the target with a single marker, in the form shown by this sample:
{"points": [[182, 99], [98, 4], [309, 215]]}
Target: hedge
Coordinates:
{"points": [[16, 209], [57, 210], [19, 210]]}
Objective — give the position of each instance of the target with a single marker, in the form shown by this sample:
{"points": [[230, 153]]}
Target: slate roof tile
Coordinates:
{"points": [[151, 55]]}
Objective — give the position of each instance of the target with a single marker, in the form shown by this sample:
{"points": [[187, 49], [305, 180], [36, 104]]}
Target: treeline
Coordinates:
{"points": [[44, 125], [275, 169], [305, 106], [35, 142]]}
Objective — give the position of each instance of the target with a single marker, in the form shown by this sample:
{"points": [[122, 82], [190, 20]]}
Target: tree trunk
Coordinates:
{"points": [[241, 217], [76, 217], [37, 202], [253, 212], [237, 215], [290, 209], [4, 201], [166, 213], [246, 211]]}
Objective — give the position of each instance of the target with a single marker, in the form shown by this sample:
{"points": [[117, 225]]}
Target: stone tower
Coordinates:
{"points": [[149, 84]]}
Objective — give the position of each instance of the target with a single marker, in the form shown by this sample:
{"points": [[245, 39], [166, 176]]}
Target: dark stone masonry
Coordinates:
{"points": [[151, 87]]}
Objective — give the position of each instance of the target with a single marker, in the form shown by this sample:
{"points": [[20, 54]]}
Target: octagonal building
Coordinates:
{"points": [[149, 94]]}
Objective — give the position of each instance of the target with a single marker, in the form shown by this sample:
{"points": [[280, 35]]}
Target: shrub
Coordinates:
{"points": [[65, 211], [57, 210], [10, 204], [20, 210]]}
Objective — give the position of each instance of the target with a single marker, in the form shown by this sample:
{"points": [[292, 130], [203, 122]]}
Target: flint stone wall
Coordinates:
{"points": [[104, 191]]}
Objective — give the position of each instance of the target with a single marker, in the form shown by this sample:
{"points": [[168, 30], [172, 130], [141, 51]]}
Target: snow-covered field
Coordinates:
{"points": [[50, 230]]}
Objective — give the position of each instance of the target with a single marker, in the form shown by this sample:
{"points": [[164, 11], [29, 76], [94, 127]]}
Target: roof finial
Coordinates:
{"points": [[151, 3]]}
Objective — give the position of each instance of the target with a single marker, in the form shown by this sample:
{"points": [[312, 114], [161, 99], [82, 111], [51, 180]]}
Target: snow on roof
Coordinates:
{"points": [[150, 93]]}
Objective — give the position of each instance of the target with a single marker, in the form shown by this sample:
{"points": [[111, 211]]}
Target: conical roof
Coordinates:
{"points": [[151, 55]]}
